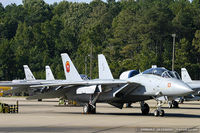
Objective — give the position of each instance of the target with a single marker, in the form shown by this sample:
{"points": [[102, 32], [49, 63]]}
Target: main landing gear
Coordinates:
{"points": [[173, 104], [89, 109], [144, 108], [159, 111]]}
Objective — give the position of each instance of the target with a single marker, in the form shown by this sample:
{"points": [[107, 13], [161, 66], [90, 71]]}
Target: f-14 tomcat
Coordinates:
{"points": [[23, 85], [130, 88], [194, 84]]}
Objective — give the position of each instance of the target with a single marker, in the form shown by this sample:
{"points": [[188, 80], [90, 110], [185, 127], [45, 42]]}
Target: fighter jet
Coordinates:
{"points": [[130, 88], [19, 86], [194, 84]]}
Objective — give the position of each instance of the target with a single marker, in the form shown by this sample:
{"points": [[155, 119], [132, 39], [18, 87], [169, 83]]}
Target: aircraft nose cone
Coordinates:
{"points": [[180, 88], [185, 89]]}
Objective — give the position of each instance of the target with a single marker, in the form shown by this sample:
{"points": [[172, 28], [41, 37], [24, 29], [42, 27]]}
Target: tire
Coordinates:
{"points": [[39, 100], [86, 109], [156, 113], [181, 101], [175, 104], [162, 113], [4, 110], [145, 109], [170, 105], [93, 110]]}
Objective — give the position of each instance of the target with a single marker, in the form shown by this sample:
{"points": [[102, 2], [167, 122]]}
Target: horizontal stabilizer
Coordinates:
{"points": [[17, 84], [45, 96], [50, 94]]}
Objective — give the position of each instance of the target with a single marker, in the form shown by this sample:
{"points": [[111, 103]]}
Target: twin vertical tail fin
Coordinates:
{"points": [[185, 75], [104, 70], [49, 74], [71, 73], [28, 73]]}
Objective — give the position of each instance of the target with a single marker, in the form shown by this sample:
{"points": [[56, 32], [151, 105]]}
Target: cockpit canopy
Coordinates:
{"points": [[160, 71], [176, 75]]}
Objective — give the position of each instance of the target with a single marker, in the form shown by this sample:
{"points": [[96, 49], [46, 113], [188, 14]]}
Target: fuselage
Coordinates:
{"points": [[195, 85], [157, 85], [150, 86]]}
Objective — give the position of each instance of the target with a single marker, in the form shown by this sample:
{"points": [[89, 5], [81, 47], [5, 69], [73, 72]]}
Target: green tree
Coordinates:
{"points": [[37, 11], [7, 61]]}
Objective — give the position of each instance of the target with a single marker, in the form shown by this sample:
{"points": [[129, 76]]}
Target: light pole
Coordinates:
{"points": [[91, 51], [85, 65], [174, 36]]}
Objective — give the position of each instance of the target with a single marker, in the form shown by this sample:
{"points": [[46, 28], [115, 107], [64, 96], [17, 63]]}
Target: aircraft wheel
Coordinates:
{"points": [[86, 109], [170, 104], [93, 110], [175, 104], [162, 113], [181, 101], [145, 109], [156, 113]]}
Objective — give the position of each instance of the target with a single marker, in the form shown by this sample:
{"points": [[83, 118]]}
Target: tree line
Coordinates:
{"points": [[132, 34]]}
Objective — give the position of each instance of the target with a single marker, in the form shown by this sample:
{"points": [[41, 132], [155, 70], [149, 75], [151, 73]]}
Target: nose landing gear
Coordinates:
{"points": [[159, 111]]}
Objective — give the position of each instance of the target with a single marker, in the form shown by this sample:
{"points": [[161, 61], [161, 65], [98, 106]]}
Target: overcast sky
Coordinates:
{"points": [[7, 2]]}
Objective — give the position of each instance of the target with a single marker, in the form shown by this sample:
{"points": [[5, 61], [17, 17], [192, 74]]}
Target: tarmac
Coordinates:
{"points": [[47, 117]]}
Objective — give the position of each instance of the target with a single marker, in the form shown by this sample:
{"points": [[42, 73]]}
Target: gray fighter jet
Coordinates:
{"points": [[173, 101], [194, 84], [23, 85], [131, 88]]}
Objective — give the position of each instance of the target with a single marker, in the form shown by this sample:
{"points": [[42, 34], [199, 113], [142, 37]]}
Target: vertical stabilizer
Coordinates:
{"points": [[49, 74], [185, 75], [104, 70], [71, 73], [28, 73]]}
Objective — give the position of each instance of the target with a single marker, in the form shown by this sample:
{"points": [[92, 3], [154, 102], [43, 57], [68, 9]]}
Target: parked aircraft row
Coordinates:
{"points": [[131, 87], [24, 85]]}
